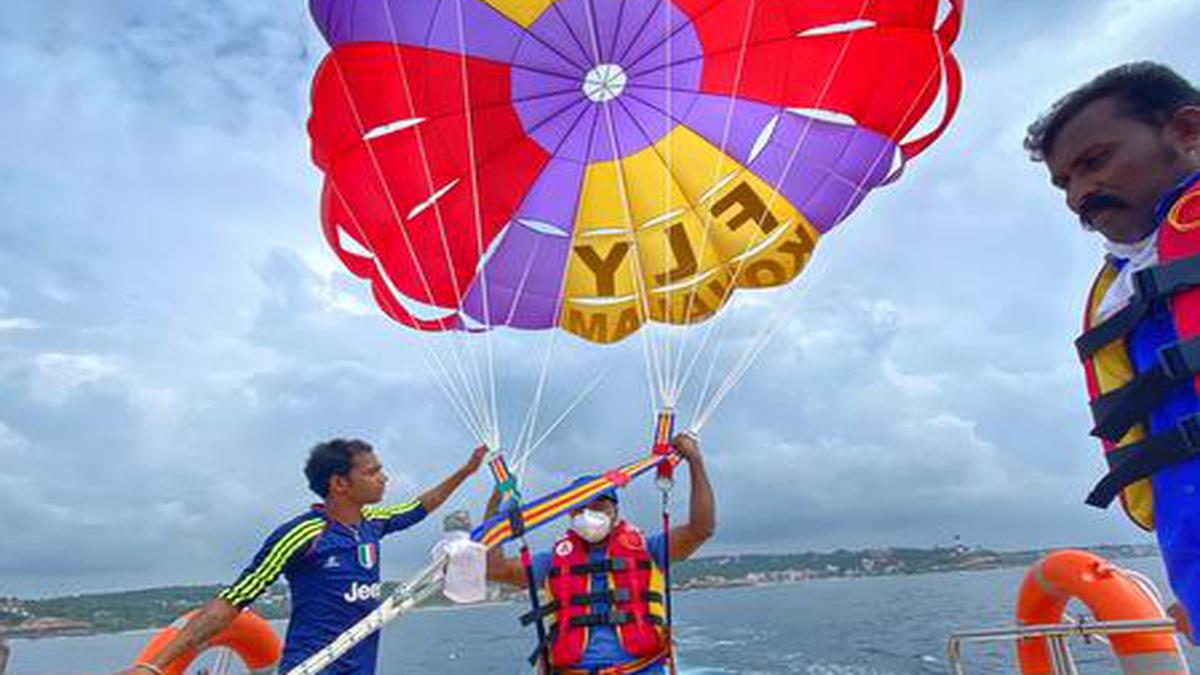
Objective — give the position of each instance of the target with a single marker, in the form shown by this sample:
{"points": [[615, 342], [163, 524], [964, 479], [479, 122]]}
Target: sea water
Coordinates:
{"points": [[861, 626]]}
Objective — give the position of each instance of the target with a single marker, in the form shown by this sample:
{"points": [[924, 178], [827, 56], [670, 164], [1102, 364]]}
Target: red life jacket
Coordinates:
{"points": [[636, 593], [1122, 398]]}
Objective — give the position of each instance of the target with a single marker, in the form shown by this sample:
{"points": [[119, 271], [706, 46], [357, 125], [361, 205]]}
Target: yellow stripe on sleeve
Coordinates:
{"points": [[253, 584], [390, 511]]}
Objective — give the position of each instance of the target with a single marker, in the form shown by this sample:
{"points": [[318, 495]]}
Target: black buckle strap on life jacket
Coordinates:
{"points": [[1117, 411], [613, 617], [540, 613], [599, 597], [602, 566], [1151, 285], [613, 597], [620, 595], [1131, 463]]}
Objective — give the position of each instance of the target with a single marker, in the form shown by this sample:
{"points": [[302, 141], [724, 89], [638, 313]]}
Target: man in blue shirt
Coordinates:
{"points": [[329, 555], [603, 585]]}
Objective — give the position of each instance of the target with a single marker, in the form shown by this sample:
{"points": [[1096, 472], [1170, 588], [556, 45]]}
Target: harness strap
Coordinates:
{"points": [[1118, 410], [1151, 286], [539, 613], [1131, 463], [542, 651]]}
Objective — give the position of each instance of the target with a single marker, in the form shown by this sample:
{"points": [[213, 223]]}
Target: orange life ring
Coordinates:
{"points": [[1111, 595], [248, 635]]}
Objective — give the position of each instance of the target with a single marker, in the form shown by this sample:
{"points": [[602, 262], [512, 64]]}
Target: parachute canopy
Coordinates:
{"points": [[597, 164]]}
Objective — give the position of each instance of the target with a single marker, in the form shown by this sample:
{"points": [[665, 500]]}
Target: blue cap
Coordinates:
{"points": [[608, 493]]}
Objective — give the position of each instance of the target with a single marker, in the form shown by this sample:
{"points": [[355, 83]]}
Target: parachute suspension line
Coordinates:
{"points": [[522, 432], [710, 220], [712, 366], [705, 409], [462, 355], [672, 336], [565, 413], [758, 343], [665, 480], [776, 320], [441, 376], [726, 130], [473, 394], [737, 373], [677, 382], [510, 499], [667, 396], [763, 339], [478, 215], [825, 86], [524, 445], [464, 413], [525, 435], [650, 351]]}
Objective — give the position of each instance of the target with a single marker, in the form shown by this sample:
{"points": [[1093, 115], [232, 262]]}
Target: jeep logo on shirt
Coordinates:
{"points": [[360, 592]]}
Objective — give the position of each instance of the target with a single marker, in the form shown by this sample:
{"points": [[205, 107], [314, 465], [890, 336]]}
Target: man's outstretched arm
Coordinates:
{"points": [[702, 506], [501, 568], [434, 497], [210, 620]]}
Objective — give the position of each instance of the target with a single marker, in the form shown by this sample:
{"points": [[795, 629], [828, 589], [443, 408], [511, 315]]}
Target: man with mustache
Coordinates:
{"points": [[1125, 151]]}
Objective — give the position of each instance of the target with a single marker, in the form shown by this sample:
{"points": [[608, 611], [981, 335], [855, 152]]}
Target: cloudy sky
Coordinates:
{"points": [[174, 332]]}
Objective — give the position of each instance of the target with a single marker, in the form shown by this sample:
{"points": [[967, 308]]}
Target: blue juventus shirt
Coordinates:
{"points": [[332, 572]]}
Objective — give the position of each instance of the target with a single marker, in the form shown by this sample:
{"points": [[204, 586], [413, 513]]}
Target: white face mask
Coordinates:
{"points": [[593, 526]]}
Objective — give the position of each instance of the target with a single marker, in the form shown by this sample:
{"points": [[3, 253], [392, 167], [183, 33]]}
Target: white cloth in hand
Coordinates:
{"points": [[466, 568]]}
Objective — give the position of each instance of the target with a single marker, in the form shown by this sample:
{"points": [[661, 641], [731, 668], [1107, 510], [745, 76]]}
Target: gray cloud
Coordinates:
{"points": [[174, 332]]}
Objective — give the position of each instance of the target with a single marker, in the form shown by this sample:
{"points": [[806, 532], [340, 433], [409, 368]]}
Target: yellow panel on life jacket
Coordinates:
{"points": [[1109, 369]]}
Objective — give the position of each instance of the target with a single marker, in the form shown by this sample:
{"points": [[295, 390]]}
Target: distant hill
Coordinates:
{"points": [[151, 608]]}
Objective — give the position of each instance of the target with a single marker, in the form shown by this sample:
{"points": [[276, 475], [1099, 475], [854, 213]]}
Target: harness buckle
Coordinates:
{"points": [[617, 618], [1189, 428], [516, 519], [1177, 360], [1145, 284]]}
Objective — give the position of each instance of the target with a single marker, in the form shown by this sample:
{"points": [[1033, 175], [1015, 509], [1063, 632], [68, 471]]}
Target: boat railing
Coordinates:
{"points": [[1056, 635]]}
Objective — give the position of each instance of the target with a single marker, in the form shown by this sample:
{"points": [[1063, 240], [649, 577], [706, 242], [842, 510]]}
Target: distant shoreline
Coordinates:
{"points": [[142, 611]]}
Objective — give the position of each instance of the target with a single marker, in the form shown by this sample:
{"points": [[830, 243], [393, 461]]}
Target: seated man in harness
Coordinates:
{"points": [[604, 591]]}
